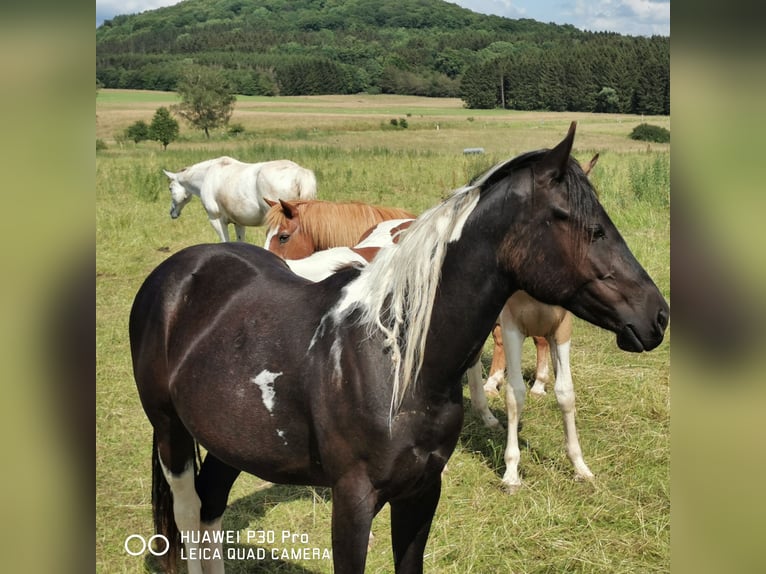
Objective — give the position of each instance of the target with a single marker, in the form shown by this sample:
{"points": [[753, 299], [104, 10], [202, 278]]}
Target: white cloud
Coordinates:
{"points": [[634, 17], [506, 8], [107, 9]]}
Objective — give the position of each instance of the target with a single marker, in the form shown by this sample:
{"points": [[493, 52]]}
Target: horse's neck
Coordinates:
{"points": [[472, 292], [193, 178]]}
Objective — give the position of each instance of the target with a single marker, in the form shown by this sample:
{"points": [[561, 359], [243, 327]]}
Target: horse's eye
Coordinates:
{"points": [[597, 232], [283, 238]]}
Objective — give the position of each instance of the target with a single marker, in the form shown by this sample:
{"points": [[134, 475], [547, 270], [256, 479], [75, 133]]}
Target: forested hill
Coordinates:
{"points": [[421, 47]]}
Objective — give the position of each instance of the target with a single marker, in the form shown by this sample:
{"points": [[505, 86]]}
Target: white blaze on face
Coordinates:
{"points": [[265, 381]]}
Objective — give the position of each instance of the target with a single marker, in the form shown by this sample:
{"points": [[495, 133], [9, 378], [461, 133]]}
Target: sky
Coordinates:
{"points": [[631, 17]]}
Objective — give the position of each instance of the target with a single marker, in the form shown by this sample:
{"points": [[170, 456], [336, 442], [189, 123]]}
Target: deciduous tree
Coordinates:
{"points": [[164, 128], [207, 99]]}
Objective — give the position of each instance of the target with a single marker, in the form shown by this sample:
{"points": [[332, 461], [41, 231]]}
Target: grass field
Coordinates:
{"points": [[620, 523]]}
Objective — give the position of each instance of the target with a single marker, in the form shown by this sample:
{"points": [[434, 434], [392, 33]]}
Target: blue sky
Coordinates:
{"points": [[633, 17]]}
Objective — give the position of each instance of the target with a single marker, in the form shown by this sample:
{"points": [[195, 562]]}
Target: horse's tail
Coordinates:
{"points": [[162, 509], [307, 184]]}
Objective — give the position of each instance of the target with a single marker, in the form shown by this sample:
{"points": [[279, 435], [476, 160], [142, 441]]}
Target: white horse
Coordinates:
{"points": [[233, 191]]}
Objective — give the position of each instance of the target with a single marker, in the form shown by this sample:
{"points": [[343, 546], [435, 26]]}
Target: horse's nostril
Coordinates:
{"points": [[662, 319]]}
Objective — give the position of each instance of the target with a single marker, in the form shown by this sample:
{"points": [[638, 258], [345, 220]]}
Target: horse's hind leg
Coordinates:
{"points": [[175, 460], [478, 396], [565, 396], [410, 524], [542, 371], [497, 369], [214, 483], [240, 232]]}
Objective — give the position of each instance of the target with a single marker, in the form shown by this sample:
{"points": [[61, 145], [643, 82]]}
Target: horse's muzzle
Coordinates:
{"points": [[629, 339], [173, 213]]}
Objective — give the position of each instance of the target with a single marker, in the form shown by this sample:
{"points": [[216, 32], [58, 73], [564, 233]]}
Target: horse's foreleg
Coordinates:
{"points": [[354, 504], [515, 395], [221, 228], [497, 369], [542, 372], [565, 396], [214, 483], [478, 398], [410, 524]]}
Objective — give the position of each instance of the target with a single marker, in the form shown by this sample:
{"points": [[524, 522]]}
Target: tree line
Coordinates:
{"points": [[415, 47]]}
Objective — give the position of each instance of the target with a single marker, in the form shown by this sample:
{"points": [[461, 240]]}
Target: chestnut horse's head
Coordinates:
{"points": [[283, 236]]}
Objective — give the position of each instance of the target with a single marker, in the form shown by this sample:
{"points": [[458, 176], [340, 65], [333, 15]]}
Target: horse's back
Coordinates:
{"points": [[285, 179], [189, 288]]}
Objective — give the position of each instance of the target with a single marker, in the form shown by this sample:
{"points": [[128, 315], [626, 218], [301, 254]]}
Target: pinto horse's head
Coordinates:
{"points": [[566, 251], [179, 195]]}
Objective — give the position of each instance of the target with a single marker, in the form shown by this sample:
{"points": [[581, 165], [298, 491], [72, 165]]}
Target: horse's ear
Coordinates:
{"points": [[287, 208], [590, 165], [170, 174], [556, 160], [270, 202]]}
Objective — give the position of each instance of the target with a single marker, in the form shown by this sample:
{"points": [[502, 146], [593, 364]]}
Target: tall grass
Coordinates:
{"points": [[620, 523]]}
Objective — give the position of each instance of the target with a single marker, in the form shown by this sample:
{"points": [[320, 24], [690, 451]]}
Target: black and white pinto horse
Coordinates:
{"points": [[354, 382]]}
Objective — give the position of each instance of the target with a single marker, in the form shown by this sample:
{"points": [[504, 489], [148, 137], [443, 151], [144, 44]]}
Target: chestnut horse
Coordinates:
{"points": [[296, 229], [235, 192], [354, 382]]}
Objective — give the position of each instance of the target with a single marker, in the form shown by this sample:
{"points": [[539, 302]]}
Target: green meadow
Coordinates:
{"points": [[618, 523]]}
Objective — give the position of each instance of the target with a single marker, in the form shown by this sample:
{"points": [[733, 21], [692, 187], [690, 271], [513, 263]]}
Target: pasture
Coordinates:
{"points": [[619, 523]]}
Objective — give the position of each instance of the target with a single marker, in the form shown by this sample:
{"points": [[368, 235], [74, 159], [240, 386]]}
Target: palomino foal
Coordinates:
{"points": [[551, 328]]}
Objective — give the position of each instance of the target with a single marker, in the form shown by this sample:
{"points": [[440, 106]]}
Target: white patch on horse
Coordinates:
{"points": [[281, 434], [335, 353], [265, 381]]}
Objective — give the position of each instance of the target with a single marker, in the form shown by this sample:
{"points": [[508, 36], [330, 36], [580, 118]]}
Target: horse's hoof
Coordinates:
{"points": [[511, 488], [538, 390]]}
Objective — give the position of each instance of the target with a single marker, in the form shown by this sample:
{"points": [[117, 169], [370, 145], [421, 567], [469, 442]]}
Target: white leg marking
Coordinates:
{"points": [[565, 395], [478, 398], [542, 372], [214, 546], [186, 506], [265, 381], [494, 381], [515, 395]]}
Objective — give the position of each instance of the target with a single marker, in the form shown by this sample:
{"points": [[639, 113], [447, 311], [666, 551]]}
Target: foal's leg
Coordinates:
{"points": [[542, 372], [214, 483], [354, 504], [478, 397], [497, 369], [410, 524], [515, 395], [565, 396]]}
